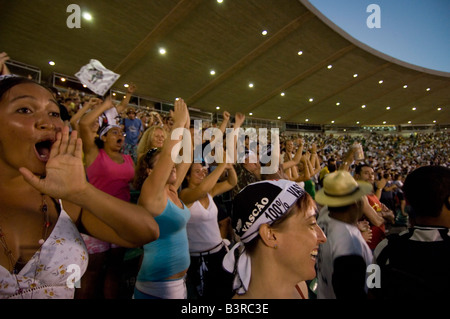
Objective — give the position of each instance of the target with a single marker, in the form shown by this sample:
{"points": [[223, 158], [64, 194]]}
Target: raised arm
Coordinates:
{"points": [[297, 156], [90, 149], [74, 120], [305, 174], [348, 158], [228, 184], [314, 160], [3, 68], [153, 195], [183, 167], [124, 103], [226, 119], [239, 119]]}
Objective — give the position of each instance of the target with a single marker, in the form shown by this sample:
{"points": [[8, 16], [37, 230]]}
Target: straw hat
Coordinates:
{"points": [[341, 189]]}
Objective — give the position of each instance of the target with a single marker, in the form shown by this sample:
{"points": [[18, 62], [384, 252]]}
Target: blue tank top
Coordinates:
{"points": [[169, 254]]}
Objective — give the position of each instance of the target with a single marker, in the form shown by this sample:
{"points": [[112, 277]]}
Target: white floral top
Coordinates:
{"points": [[52, 272]]}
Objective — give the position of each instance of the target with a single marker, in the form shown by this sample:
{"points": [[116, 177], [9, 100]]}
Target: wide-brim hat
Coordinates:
{"points": [[341, 189]]}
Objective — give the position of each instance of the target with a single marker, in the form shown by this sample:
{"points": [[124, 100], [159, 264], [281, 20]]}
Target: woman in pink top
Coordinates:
{"points": [[110, 171]]}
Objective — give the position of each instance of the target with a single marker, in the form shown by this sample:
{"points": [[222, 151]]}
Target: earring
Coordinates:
{"points": [[275, 246]]}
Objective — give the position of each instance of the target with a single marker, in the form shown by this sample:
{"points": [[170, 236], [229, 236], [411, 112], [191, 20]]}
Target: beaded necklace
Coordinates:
{"points": [[15, 263]]}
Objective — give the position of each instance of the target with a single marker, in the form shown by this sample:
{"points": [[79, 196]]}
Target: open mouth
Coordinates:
{"points": [[314, 254], [43, 149]]}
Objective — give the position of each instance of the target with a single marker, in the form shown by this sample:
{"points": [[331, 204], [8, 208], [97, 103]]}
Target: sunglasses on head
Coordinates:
{"points": [[150, 153]]}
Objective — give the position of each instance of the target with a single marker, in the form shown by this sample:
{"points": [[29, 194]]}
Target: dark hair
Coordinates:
{"points": [[10, 82], [146, 161], [359, 167], [185, 182], [427, 189]]}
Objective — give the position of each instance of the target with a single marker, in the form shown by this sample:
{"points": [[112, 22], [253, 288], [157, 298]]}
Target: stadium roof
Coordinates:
{"points": [[299, 70]]}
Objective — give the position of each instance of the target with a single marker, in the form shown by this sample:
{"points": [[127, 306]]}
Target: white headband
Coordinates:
{"points": [[106, 129], [287, 197], [237, 261]]}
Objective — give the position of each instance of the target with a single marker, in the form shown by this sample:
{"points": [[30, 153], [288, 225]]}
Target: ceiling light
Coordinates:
{"points": [[250, 85], [388, 107], [439, 108], [51, 63], [330, 66], [311, 99], [414, 108], [405, 86], [428, 89], [279, 117], [434, 121], [363, 106], [300, 52], [357, 122], [282, 94], [63, 79], [264, 32], [409, 122], [162, 51], [332, 122], [217, 107], [219, 1], [84, 85], [87, 16], [126, 85], [250, 113], [212, 72], [384, 122], [380, 82], [338, 103], [114, 94], [306, 120], [355, 75]]}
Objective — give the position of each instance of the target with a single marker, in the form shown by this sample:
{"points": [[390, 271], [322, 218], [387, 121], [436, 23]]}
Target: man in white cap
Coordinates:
{"points": [[344, 258]]}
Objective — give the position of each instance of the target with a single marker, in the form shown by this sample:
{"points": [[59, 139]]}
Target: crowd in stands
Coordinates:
{"points": [[199, 207], [307, 159]]}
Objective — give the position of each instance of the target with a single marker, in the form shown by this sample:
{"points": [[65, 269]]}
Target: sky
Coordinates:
{"points": [[413, 31]]}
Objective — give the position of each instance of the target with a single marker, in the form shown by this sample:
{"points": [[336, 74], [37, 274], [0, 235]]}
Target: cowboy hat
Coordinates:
{"points": [[341, 189]]}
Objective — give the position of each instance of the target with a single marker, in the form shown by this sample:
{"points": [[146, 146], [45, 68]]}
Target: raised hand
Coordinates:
{"points": [[226, 116], [65, 175], [3, 58], [239, 119], [180, 113], [131, 88]]}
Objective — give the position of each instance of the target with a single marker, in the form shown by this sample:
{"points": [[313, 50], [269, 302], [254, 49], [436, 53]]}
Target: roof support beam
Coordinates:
{"points": [[302, 76], [250, 57], [167, 24], [374, 98]]}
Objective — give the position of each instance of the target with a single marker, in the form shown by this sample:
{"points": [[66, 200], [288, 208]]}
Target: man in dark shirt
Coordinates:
{"points": [[415, 264]]}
